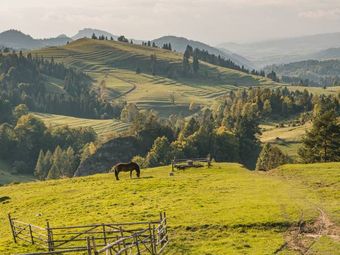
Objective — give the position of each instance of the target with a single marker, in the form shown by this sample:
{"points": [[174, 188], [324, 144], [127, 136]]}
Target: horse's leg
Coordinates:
{"points": [[116, 174], [130, 174]]}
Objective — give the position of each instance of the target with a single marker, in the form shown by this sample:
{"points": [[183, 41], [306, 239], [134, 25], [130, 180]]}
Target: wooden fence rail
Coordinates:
{"points": [[109, 238]]}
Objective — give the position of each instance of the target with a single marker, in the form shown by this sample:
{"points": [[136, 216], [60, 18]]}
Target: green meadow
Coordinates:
{"points": [[112, 65], [226, 209], [105, 129]]}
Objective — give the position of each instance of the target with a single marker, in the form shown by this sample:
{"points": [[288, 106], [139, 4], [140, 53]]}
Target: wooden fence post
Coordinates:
{"points": [[122, 236], [104, 233], [154, 239], [49, 237], [165, 226], [151, 240], [89, 248], [94, 246], [12, 227], [31, 233], [137, 244]]}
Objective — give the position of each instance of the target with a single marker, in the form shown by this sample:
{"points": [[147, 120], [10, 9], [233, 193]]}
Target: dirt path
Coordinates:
{"points": [[134, 86], [302, 237]]}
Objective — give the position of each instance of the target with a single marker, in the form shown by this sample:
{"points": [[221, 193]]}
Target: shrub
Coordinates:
{"points": [[270, 158]]}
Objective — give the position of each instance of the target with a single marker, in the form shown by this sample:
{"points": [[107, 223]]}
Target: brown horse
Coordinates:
{"points": [[126, 167]]}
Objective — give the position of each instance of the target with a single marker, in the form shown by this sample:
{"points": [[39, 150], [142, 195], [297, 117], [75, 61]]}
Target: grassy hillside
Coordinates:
{"points": [[113, 66], [288, 139], [105, 129], [223, 210], [6, 175]]}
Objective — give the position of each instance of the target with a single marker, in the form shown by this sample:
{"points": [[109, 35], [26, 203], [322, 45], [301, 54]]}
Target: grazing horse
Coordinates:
{"points": [[126, 167]]}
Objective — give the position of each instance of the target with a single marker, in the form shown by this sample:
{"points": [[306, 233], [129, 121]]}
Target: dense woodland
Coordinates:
{"points": [[310, 72], [229, 132], [24, 80]]}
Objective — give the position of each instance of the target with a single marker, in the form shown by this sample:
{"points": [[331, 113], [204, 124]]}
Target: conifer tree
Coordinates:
{"points": [[322, 142], [270, 158], [195, 62], [39, 170], [69, 163]]}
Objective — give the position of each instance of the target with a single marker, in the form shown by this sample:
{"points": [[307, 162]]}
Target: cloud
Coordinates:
{"points": [[321, 14]]}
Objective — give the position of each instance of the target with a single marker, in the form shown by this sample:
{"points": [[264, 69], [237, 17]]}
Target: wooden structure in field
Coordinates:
{"points": [[105, 238], [182, 164]]}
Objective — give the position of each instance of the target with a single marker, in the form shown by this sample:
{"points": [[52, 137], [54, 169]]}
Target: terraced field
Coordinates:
{"points": [[288, 139], [112, 65], [105, 129]]}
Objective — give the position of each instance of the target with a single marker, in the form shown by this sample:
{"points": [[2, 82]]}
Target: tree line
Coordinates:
{"points": [[23, 138], [25, 80]]}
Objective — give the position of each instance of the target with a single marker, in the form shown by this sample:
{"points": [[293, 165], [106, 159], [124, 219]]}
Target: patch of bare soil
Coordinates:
{"points": [[301, 238]]}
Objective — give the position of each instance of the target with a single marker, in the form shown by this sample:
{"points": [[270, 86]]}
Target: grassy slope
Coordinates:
{"points": [[222, 210], [105, 129], [114, 64], [7, 177], [289, 137]]}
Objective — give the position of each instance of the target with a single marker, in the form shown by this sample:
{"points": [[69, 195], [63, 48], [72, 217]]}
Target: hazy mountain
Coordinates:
{"points": [[88, 32], [180, 43], [17, 40], [284, 50], [311, 72], [332, 53]]}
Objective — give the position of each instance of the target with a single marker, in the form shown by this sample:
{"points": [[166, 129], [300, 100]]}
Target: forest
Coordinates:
{"points": [[25, 79]]}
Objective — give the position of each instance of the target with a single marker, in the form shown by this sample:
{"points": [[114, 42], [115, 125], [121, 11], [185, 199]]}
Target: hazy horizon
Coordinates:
{"points": [[213, 22]]}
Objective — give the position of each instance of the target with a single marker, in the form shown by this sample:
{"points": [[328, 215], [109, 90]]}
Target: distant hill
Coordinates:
{"points": [[88, 32], [312, 72], [180, 43], [332, 53], [128, 72], [17, 40], [281, 51]]}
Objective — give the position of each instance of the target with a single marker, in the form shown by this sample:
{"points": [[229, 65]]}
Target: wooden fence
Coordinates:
{"points": [[190, 162], [106, 238]]}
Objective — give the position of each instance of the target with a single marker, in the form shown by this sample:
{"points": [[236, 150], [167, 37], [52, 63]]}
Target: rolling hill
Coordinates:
{"points": [[17, 40], [286, 50], [180, 43], [88, 32], [113, 67], [244, 212]]}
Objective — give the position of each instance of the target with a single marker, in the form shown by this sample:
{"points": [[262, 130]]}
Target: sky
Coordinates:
{"points": [[210, 21]]}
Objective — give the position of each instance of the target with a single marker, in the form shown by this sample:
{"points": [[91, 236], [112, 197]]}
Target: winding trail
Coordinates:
{"points": [[302, 237]]}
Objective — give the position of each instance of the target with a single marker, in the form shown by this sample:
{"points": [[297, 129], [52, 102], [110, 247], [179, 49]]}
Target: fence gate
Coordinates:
{"points": [[105, 238]]}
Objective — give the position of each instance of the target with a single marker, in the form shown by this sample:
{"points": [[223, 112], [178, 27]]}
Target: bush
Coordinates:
{"points": [[270, 157], [140, 161], [20, 167]]}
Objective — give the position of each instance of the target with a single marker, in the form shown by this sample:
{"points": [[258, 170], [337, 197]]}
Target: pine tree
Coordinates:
{"points": [[195, 62], [70, 162], [39, 168], [322, 142], [54, 173], [270, 158]]}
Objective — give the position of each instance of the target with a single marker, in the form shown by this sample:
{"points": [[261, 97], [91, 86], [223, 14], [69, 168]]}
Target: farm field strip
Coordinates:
{"points": [[104, 128]]}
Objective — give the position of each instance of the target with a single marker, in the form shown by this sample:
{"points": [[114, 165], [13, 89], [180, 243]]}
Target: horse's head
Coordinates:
{"points": [[138, 171]]}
